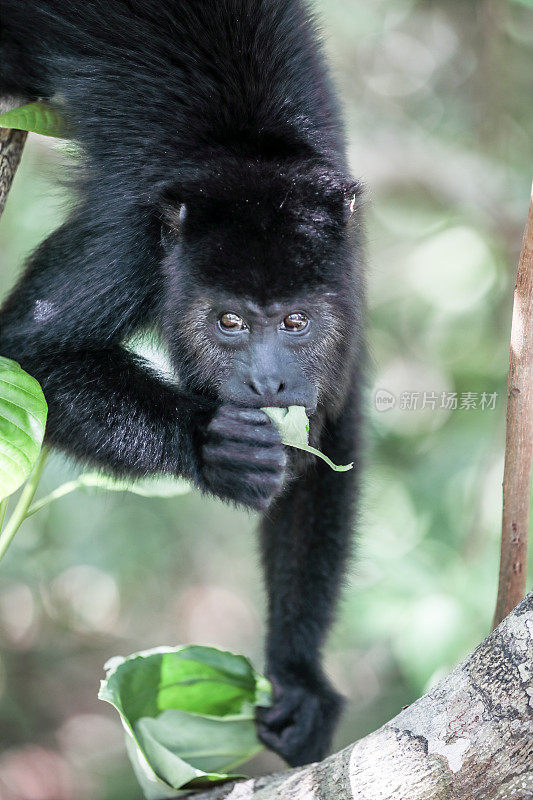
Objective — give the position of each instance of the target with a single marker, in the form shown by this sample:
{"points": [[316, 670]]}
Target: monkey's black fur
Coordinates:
{"points": [[213, 181]]}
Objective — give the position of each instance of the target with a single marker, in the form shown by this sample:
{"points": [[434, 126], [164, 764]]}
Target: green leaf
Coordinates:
{"points": [[188, 714], [36, 117], [23, 412], [185, 747], [293, 425], [147, 487]]}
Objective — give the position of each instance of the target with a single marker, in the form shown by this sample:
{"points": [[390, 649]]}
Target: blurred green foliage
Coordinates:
{"points": [[437, 96]]}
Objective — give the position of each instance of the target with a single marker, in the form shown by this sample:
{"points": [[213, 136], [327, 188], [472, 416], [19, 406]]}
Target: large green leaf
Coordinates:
{"points": [[293, 425], [188, 714], [22, 422], [36, 117]]}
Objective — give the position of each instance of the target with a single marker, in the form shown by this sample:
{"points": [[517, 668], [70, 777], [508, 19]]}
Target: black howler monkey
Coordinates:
{"points": [[215, 205]]}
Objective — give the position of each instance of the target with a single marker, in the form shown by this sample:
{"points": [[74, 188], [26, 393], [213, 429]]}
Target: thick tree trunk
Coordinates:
{"points": [[11, 147], [469, 738]]}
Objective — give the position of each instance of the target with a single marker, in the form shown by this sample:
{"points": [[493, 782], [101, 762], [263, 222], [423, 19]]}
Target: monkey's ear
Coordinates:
{"points": [[174, 215], [352, 198], [172, 220], [340, 191]]}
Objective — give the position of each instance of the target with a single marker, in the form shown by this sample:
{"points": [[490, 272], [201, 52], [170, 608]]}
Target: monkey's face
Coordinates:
{"points": [[278, 353]]}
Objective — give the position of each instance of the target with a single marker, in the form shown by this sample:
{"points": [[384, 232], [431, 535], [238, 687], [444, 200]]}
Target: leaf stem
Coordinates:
{"points": [[20, 511], [61, 491], [320, 454], [3, 509], [329, 462]]}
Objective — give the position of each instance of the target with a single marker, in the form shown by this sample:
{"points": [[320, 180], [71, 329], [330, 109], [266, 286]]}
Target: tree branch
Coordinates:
{"points": [[469, 738], [519, 438], [11, 147]]}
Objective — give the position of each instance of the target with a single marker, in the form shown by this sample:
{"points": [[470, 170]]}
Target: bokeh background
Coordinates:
{"points": [[439, 115]]}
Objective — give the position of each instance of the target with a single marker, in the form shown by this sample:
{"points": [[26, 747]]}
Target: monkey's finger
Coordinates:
{"points": [[258, 490], [279, 742], [255, 490], [237, 454], [281, 712], [260, 485], [247, 416], [292, 741], [238, 431]]}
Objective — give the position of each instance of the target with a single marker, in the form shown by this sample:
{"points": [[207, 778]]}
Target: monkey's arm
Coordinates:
{"points": [[107, 409], [306, 542], [63, 323]]}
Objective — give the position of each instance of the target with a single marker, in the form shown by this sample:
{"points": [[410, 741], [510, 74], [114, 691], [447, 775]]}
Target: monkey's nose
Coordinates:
{"points": [[266, 386]]}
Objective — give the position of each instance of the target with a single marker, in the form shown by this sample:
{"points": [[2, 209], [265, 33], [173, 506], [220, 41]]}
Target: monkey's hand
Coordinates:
{"points": [[300, 723], [243, 458]]}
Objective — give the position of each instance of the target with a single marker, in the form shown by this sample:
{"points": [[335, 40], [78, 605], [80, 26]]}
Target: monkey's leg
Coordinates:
{"points": [[306, 543]]}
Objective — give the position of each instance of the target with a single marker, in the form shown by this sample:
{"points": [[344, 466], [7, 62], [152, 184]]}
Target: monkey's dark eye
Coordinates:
{"points": [[231, 322], [295, 322]]}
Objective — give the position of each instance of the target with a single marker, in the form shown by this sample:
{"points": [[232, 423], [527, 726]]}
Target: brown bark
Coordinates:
{"points": [[469, 738], [519, 438], [11, 147]]}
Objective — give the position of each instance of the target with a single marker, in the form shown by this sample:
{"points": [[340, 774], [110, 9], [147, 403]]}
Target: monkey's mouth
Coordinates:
{"points": [[272, 402]]}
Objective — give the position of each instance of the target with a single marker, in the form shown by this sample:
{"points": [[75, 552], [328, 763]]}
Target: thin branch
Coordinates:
{"points": [[519, 438], [20, 511], [11, 147]]}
